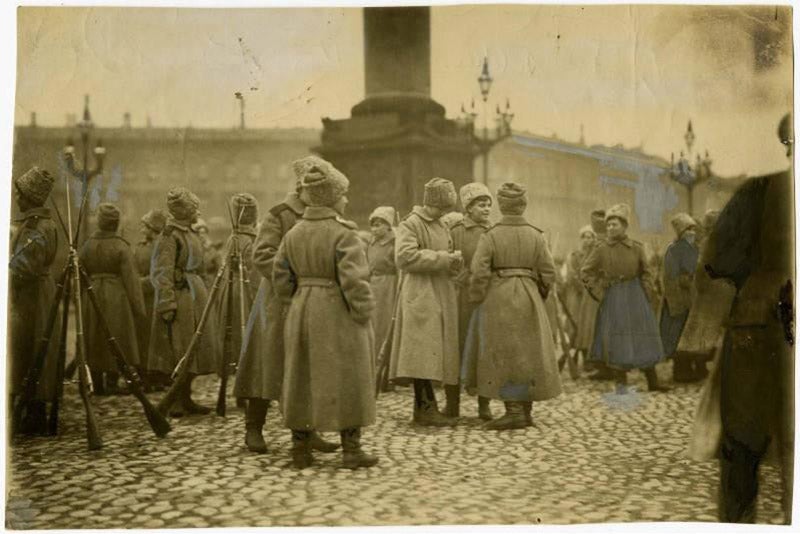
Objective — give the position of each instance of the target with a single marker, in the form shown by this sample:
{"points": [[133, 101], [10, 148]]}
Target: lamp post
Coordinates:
{"points": [[240, 97], [485, 142], [683, 173], [85, 127]]}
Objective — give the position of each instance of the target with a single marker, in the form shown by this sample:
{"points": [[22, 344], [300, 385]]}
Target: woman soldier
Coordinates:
{"points": [[586, 310], [244, 208], [512, 274], [108, 259], [680, 262], [425, 338], [618, 275], [382, 273], [151, 225], [321, 268], [260, 371], [31, 294], [477, 203], [180, 297]]}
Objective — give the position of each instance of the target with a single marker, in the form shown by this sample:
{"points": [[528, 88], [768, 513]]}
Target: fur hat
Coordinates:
{"points": [[512, 199], [155, 220], [682, 222], [710, 219], [440, 193], [598, 221], [35, 185], [619, 211], [107, 216], [451, 219], [245, 208], [384, 213], [473, 191], [586, 230], [182, 203], [321, 184]]}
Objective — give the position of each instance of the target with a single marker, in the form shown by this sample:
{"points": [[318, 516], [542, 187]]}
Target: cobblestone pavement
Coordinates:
{"points": [[591, 458]]}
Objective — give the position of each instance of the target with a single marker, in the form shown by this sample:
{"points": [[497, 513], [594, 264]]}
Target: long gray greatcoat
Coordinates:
{"points": [[31, 294], [383, 282], [466, 234], [515, 355], [141, 257], [244, 241], [329, 380], [108, 260], [425, 340], [260, 371], [177, 276]]}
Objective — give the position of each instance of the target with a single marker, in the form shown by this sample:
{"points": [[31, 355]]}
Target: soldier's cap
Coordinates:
{"points": [[321, 184], [619, 211], [682, 222], [155, 220], [472, 192], [512, 198], [108, 216], [384, 213], [35, 185], [182, 202], [440, 193]]}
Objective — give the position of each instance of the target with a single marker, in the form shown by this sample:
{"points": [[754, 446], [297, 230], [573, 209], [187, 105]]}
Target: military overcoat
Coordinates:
{"points": [[383, 281]]}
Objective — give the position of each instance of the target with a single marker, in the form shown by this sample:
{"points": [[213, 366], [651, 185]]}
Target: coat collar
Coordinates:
{"points": [[469, 223], [626, 241], [421, 213], [513, 220], [316, 213], [295, 204], [180, 225], [41, 212]]}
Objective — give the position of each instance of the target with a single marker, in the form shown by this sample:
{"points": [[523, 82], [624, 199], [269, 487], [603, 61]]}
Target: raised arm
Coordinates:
{"points": [[413, 259]]}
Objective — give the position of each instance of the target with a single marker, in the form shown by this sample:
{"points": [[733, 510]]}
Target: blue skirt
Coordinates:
{"points": [[626, 334]]}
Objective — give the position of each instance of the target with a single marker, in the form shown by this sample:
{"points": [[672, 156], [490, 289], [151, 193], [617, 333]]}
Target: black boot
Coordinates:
{"points": [[112, 384], [527, 408], [319, 444], [484, 411], [352, 455], [603, 372], [452, 406], [682, 368], [426, 412], [98, 384], [301, 449], [652, 380], [34, 420], [514, 418], [189, 405], [255, 417]]}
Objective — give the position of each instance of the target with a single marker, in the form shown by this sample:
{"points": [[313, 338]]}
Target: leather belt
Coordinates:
{"points": [[311, 281], [512, 272]]}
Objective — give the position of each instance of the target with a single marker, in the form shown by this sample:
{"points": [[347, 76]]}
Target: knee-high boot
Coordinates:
{"points": [[301, 449], [255, 418], [426, 412], [452, 407], [352, 455], [514, 418], [484, 411], [652, 380]]}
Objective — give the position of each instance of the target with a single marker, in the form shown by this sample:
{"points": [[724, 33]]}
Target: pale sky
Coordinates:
{"points": [[630, 75]]}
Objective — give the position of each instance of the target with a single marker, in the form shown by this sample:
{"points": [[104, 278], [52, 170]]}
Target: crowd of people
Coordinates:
{"points": [[324, 315]]}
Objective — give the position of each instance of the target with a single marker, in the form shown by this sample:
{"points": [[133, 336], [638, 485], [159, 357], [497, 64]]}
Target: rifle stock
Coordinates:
{"points": [[386, 347], [158, 422], [52, 426]]}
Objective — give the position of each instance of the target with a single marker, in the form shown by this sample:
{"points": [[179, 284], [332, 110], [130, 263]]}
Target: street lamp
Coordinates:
{"points": [[684, 173], [502, 120], [85, 127]]}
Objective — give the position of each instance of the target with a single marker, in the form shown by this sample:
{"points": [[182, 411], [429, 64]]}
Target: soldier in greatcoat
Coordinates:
{"points": [[108, 260], [586, 309], [425, 339], [151, 225], [244, 208], [512, 274], [618, 275], [180, 297], [321, 268], [752, 245], [476, 199], [680, 262], [382, 273], [259, 375], [31, 293]]}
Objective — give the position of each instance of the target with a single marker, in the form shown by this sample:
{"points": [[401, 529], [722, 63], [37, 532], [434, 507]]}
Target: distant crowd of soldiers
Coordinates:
{"points": [[328, 315]]}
